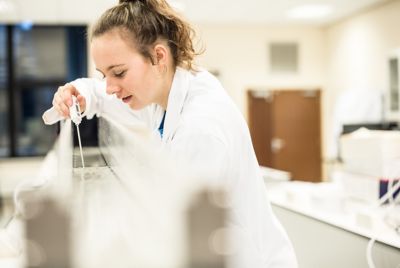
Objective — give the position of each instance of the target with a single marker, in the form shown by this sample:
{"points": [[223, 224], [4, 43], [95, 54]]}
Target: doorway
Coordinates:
{"points": [[285, 127]]}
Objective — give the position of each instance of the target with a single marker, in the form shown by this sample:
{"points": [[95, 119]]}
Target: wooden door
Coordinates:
{"points": [[285, 126]]}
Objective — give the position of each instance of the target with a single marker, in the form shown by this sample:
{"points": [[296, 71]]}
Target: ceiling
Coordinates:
{"points": [[198, 11], [267, 11]]}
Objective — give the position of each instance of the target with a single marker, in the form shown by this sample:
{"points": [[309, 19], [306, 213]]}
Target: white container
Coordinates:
{"points": [[374, 153], [362, 187]]}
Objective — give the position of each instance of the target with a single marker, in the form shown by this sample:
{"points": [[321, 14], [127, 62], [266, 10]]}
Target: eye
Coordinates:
{"points": [[119, 74]]}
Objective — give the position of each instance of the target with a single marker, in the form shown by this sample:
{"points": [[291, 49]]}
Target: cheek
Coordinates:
{"points": [[141, 83], [130, 84]]}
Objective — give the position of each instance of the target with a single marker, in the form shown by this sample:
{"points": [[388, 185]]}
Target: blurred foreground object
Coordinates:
{"points": [[129, 207]]}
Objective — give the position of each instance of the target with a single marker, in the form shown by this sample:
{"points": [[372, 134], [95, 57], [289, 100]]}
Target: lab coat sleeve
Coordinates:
{"points": [[202, 153], [94, 92]]}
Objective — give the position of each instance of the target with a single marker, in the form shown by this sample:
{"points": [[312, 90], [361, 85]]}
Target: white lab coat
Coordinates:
{"points": [[205, 128]]}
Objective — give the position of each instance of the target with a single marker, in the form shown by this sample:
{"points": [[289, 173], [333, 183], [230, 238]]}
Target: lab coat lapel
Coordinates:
{"points": [[176, 100]]}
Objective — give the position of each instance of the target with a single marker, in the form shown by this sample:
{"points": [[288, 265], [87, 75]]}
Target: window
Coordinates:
{"points": [[43, 58], [394, 84], [4, 130], [393, 91]]}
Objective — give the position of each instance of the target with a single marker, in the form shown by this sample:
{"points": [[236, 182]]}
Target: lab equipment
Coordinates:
{"points": [[371, 161], [371, 171], [51, 116], [370, 152]]}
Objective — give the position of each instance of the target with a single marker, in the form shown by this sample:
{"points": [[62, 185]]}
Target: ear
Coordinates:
{"points": [[161, 53]]}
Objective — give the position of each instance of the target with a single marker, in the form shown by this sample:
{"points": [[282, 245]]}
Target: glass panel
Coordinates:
{"points": [[394, 85], [4, 141], [40, 52], [34, 138], [45, 57]]}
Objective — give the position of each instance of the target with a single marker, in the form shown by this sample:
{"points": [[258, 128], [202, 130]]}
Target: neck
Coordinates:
{"points": [[169, 77]]}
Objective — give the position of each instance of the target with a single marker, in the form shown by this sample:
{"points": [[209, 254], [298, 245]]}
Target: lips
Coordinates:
{"points": [[127, 99]]}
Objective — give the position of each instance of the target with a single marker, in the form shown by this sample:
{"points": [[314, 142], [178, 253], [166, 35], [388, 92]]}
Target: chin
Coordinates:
{"points": [[136, 106]]}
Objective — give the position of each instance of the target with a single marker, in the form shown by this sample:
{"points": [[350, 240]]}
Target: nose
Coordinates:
{"points": [[112, 88]]}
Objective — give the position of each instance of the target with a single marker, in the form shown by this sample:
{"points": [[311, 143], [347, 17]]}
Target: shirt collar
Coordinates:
{"points": [[176, 100]]}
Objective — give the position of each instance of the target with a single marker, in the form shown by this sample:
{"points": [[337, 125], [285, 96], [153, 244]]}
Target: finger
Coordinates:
{"points": [[66, 97], [56, 96], [82, 102], [57, 101], [64, 110], [70, 91], [59, 90]]}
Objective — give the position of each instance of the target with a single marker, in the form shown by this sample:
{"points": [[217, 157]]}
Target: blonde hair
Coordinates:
{"points": [[143, 22]]}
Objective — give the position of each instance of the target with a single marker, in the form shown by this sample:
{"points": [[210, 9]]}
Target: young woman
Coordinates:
{"points": [[144, 51]]}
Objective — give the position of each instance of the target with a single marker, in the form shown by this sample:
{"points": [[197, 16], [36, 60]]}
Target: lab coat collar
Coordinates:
{"points": [[176, 99]]}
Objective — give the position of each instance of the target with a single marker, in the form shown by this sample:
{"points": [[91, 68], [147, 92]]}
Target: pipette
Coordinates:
{"points": [[51, 116], [76, 117]]}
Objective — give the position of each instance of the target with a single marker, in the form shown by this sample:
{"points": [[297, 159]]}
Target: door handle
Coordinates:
{"points": [[277, 144]]}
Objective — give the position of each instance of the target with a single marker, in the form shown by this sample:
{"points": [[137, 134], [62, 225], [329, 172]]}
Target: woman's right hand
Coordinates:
{"points": [[62, 99]]}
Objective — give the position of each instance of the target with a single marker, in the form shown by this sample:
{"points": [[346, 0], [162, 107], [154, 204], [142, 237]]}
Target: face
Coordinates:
{"points": [[130, 76]]}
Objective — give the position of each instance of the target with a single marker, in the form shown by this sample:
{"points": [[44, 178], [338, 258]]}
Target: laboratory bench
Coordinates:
{"points": [[328, 229]]}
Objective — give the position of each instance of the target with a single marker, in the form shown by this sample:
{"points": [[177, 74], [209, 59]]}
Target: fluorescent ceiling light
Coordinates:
{"points": [[309, 12], [26, 25], [6, 6]]}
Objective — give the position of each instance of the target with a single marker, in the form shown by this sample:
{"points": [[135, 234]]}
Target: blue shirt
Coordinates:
{"points": [[161, 127]]}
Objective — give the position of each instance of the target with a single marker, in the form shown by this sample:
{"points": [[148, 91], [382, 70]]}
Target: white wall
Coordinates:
{"points": [[357, 53], [240, 55], [349, 54]]}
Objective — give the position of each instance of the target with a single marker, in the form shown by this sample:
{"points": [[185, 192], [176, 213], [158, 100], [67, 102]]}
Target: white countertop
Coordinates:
{"points": [[15, 170], [326, 202]]}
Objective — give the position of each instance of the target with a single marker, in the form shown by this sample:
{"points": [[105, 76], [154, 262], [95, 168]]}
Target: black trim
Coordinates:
{"points": [[33, 83], [12, 126]]}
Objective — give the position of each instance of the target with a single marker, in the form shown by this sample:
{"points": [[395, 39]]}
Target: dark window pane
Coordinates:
{"points": [[40, 53], [4, 141], [34, 138], [43, 58]]}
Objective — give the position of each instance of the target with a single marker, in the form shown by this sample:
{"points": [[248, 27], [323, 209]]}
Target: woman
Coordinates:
{"points": [[145, 53]]}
